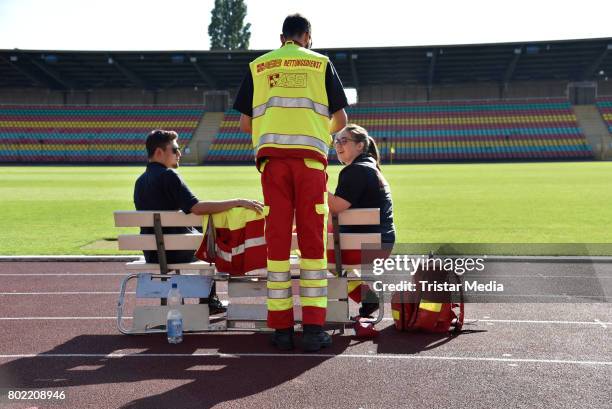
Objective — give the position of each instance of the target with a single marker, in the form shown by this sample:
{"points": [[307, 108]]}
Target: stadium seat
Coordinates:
{"points": [[88, 134]]}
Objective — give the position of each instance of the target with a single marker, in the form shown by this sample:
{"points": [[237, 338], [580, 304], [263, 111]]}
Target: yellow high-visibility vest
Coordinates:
{"points": [[290, 106]]}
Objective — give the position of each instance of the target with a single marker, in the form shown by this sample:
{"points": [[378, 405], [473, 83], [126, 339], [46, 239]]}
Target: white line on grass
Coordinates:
{"points": [[272, 355]]}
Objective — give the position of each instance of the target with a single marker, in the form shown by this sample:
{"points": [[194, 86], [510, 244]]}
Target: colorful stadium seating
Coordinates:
{"points": [[449, 131], [604, 104], [88, 134]]}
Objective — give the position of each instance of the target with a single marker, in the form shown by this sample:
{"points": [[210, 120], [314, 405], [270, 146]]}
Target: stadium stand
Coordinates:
{"points": [[231, 144], [604, 104], [449, 131], [88, 134]]}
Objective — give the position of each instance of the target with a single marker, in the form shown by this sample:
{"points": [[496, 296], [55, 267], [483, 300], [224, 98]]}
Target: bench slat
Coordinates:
{"points": [[336, 288], [361, 217], [145, 219], [348, 241], [141, 265], [134, 218], [190, 286], [171, 241], [207, 269], [195, 316], [337, 312]]}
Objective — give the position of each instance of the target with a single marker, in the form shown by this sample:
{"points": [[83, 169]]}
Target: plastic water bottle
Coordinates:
{"points": [[175, 318]]}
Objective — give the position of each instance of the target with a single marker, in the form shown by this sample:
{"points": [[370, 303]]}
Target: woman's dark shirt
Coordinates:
{"points": [[363, 186]]}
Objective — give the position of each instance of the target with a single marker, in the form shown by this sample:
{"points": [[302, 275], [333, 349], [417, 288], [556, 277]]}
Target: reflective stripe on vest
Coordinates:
{"points": [[224, 255], [286, 102], [302, 140], [248, 243]]}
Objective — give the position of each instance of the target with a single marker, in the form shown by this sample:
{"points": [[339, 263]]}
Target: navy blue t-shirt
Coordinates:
{"points": [[363, 186], [161, 188]]}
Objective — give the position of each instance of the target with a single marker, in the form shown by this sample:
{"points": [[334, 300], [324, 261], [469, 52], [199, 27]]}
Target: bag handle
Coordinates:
{"points": [[417, 302], [212, 238], [460, 318]]}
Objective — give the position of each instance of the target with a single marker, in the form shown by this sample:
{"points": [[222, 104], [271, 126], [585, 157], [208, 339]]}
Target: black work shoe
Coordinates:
{"points": [[369, 304], [215, 306], [283, 339], [314, 338]]}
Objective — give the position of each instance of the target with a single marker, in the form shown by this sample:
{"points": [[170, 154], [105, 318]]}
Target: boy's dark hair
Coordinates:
{"points": [[159, 139], [295, 25]]}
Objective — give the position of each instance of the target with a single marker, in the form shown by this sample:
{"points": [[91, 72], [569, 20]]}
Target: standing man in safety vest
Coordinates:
{"points": [[291, 101]]}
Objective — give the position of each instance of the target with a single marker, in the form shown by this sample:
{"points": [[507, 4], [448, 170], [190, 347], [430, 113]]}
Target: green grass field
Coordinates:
{"points": [[68, 210]]}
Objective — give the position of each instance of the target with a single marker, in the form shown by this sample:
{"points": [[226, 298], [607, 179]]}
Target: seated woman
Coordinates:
{"points": [[361, 184]]}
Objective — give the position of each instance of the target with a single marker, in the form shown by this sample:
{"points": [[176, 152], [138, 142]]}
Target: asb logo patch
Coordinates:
{"points": [[288, 80]]}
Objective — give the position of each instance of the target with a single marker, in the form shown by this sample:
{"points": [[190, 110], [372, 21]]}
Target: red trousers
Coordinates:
{"points": [[293, 186]]}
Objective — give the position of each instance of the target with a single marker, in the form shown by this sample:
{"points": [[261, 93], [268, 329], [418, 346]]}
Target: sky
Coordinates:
{"points": [[136, 25]]}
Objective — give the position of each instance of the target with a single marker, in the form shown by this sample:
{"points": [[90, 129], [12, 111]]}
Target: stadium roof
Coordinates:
{"points": [[574, 60]]}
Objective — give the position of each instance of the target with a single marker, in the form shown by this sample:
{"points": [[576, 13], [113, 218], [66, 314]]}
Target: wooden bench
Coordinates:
{"points": [[157, 279]]}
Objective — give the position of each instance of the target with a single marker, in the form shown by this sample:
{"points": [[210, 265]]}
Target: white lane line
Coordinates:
{"points": [[582, 297], [60, 274], [540, 275], [595, 322], [598, 276], [68, 293], [272, 355], [59, 318], [549, 322], [76, 293], [603, 324]]}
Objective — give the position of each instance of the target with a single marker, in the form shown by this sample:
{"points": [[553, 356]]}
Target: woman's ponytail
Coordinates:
{"points": [[372, 151], [359, 134]]}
